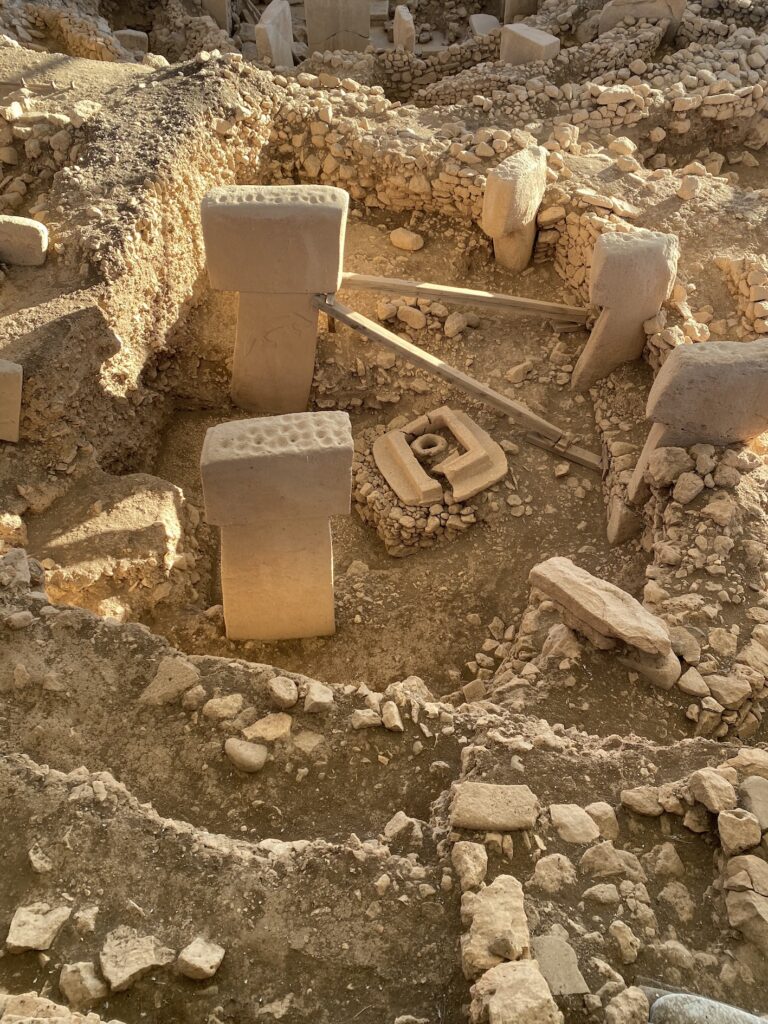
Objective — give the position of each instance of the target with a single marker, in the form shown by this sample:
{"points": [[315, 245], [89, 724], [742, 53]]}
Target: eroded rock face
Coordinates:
{"points": [[497, 926], [481, 805], [36, 927]]}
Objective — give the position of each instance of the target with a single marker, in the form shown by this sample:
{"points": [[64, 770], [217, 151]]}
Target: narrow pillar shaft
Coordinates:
{"points": [[274, 352], [277, 579], [514, 251]]}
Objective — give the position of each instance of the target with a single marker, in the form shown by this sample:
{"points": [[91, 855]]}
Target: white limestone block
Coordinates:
{"points": [[275, 238], [274, 34], [513, 192], [23, 241], [521, 44]]}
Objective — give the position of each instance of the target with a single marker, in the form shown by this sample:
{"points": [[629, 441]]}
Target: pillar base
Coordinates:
{"points": [[515, 250], [277, 579], [274, 352]]}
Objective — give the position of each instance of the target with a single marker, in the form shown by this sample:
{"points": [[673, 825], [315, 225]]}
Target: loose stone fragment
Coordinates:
{"points": [[127, 956], [248, 757], [81, 984], [35, 927], [482, 805], [200, 959]]}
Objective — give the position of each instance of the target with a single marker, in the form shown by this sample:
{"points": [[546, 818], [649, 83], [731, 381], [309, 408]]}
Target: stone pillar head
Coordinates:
{"points": [[278, 239], [513, 193]]}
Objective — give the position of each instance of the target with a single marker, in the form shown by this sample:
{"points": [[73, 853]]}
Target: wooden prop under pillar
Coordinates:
{"points": [[543, 434]]}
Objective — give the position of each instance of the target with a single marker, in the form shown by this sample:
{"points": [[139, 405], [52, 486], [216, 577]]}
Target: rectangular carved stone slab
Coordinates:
{"points": [[258, 470], [275, 238], [521, 44], [11, 375], [277, 579]]}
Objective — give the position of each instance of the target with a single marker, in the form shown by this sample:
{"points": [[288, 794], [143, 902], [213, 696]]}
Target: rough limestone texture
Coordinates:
{"points": [[11, 379], [522, 44], [513, 993], [604, 608], [616, 11], [200, 959], [174, 676], [127, 956], [81, 984], [483, 805], [497, 928], [632, 274], [23, 241], [35, 927]]}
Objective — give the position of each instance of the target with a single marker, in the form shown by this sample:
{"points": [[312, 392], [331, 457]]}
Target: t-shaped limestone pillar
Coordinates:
{"points": [[632, 274], [271, 485], [278, 246], [713, 393], [513, 193], [338, 24], [404, 29]]}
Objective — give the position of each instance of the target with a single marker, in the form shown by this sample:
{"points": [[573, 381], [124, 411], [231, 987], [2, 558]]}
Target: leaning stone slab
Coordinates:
{"points": [[603, 607], [682, 1008], [513, 993], [497, 928], [23, 241], [485, 806], [35, 927]]}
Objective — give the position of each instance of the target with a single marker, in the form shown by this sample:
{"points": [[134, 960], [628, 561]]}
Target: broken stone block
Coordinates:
{"points": [[602, 607], [513, 993], [632, 274], [497, 928], [127, 956], [174, 676], [81, 984], [338, 24], [11, 379], [483, 24], [35, 927], [513, 193], [710, 788], [488, 807], [404, 29], [522, 44], [271, 485], [23, 241], [200, 959], [273, 34], [470, 861]]}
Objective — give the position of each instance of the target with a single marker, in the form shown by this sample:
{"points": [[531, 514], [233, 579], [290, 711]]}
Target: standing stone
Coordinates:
{"points": [[271, 485], [404, 29], [278, 246], [513, 193], [632, 274], [274, 35], [338, 24]]}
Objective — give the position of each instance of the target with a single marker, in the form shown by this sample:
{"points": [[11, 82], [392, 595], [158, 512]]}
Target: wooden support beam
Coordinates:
{"points": [[543, 434], [466, 296]]}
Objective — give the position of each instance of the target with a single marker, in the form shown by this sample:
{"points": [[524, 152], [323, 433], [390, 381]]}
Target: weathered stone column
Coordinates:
{"points": [[274, 34], [271, 484], [277, 246], [713, 393], [337, 24], [513, 193], [632, 274]]}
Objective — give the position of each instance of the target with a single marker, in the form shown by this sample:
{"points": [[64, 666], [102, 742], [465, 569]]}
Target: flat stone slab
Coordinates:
{"points": [[681, 1008], [558, 963], [485, 806], [603, 607]]}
